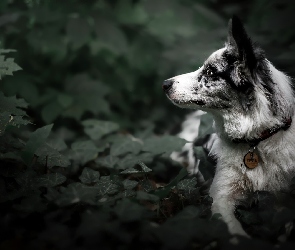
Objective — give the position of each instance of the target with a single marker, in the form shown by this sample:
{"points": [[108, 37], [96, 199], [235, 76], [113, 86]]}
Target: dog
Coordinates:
{"points": [[252, 104]]}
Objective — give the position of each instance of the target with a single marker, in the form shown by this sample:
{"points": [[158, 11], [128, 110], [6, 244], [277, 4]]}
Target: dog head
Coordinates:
{"points": [[238, 85], [227, 79]]}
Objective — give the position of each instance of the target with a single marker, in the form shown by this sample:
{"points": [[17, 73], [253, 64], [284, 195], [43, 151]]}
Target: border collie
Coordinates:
{"points": [[252, 104]]}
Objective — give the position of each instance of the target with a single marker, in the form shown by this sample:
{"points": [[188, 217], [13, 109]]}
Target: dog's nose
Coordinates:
{"points": [[167, 84]]}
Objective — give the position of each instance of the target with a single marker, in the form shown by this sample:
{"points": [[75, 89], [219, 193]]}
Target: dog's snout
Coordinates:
{"points": [[167, 84]]}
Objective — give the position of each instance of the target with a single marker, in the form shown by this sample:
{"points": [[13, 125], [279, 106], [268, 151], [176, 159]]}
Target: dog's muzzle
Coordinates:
{"points": [[167, 85]]}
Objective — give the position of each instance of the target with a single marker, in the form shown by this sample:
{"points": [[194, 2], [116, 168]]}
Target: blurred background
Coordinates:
{"points": [[108, 59]]}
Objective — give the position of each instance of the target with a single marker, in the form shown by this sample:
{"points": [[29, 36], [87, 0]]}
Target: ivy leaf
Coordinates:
{"points": [[187, 183], [95, 129], [50, 180], [51, 111], [65, 100], [141, 195], [26, 180], [125, 145], [163, 192], [143, 169], [107, 161], [77, 192], [89, 176], [85, 151], [165, 144], [129, 184], [106, 186], [131, 171], [50, 157], [7, 66], [146, 185], [36, 139], [131, 160], [57, 143], [88, 95], [12, 105], [11, 112]]}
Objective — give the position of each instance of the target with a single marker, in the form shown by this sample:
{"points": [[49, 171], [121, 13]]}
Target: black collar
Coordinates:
{"points": [[266, 133]]}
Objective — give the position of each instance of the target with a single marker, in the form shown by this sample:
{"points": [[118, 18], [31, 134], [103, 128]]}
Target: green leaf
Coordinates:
{"points": [[85, 151], [51, 111], [7, 66], [11, 112], [129, 184], [131, 160], [106, 186], [65, 100], [141, 195], [50, 157], [26, 180], [12, 105], [95, 129], [36, 139], [187, 183], [107, 161], [125, 145], [77, 192], [146, 185], [57, 143], [131, 171], [163, 192], [165, 144], [143, 169], [89, 176], [50, 180], [88, 96]]}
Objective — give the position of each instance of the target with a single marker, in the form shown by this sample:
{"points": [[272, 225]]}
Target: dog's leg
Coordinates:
{"points": [[225, 207], [223, 202]]}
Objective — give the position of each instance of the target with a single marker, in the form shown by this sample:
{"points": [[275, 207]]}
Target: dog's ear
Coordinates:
{"points": [[240, 42]]}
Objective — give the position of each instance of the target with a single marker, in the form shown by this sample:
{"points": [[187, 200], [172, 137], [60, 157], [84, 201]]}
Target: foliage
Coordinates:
{"points": [[86, 132]]}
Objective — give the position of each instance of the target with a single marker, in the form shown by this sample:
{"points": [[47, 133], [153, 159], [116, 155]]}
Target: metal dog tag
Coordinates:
{"points": [[251, 160]]}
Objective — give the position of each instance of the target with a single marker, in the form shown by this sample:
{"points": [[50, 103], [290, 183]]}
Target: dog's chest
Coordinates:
{"points": [[274, 171]]}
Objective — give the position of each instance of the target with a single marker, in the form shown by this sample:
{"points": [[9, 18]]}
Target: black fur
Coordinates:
{"points": [[241, 42], [241, 48]]}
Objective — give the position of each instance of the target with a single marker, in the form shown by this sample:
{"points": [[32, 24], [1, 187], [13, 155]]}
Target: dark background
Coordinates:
{"points": [[128, 48], [84, 62]]}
